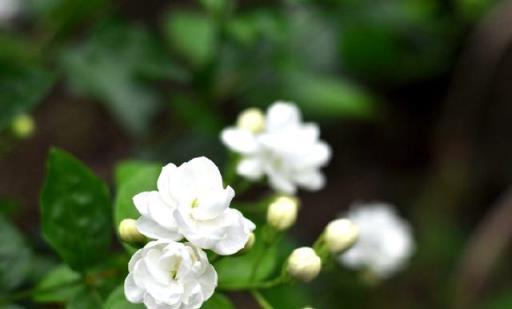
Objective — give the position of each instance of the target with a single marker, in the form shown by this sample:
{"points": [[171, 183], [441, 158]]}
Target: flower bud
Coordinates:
{"points": [[252, 120], [304, 264], [250, 242], [340, 234], [129, 233], [282, 212], [23, 126]]}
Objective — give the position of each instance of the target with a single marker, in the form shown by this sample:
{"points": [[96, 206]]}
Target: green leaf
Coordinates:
{"points": [[58, 285], [218, 7], [20, 90], [85, 299], [237, 271], [141, 177], [218, 301], [117, 300], [192, 35], [327, 97], [76, 216], [114, 66], [15, 257]]}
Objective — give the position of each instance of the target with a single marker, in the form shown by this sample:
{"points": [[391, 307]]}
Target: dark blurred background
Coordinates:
{"points": [[413, 95]]}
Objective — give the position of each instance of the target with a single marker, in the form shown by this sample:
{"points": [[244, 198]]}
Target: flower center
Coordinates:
{"points": [[195, 203]]}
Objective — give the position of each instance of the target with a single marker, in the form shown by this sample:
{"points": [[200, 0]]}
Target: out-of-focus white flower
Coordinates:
{"points": [[170, 275], [304, 264], [128, 231], [191, 201], [385, 240], [340, 234], [9, 9], [286, 150], [282, 212]]}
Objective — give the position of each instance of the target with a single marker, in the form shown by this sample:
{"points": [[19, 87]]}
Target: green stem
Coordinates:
{"points": [[29, 293], [264, 304], [256, 286]]}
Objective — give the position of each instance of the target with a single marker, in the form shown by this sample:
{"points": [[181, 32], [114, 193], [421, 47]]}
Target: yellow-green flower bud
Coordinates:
{"points": [[282, 212], [252, 120], [23, 126], [340, 234], [129, 233], [304, 264]]}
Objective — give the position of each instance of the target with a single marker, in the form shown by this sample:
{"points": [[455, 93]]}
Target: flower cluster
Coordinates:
{"points": [[280, 146], [190, 203]]}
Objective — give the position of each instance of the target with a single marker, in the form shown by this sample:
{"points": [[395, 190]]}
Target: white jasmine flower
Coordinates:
{"points": [[282, 212], [191, 201], [170, 275], [286, 150], [385, 240], [340, 234], [304, 264], [9, 9]]}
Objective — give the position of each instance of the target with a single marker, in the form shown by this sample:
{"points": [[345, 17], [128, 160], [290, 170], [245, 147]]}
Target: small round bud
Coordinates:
{"points": [[250, 242], [23, 126], [304, 264], [340, 234], [252, 120], [282, 212], [128, 232]]}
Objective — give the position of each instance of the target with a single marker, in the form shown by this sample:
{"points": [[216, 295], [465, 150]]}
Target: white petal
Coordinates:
{"points": [[141, 202], [133, 293], [310, 180], [282, 114], [236, 234], [239, 140], [250, 168], [163, 184], [152, 229], [193, 177], [279, 182], [213, 205]]}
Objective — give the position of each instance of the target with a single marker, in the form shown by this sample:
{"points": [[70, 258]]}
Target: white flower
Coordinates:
{"points": [[170, 275], [286, 150], [304, 264], [191, 201], [8, 10], [282, 212], [385, 240], [340, 234]]}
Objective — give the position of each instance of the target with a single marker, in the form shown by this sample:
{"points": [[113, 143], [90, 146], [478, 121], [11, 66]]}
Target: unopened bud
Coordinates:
{"points": [[249, 243], [129, 233], [252, 120], [340, 234], [23, 126], [282, 212], [304, 264]]}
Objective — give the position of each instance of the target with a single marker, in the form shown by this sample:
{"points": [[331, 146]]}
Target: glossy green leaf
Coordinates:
{"points": [[192, 35], [238, 271], [142, 177], [117, 300], [59, 285], [218, 301], [75, 212], [15, 257]]}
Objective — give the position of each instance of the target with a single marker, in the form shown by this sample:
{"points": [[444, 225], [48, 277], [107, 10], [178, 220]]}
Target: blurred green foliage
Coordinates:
{"points": [[202, 61]]}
